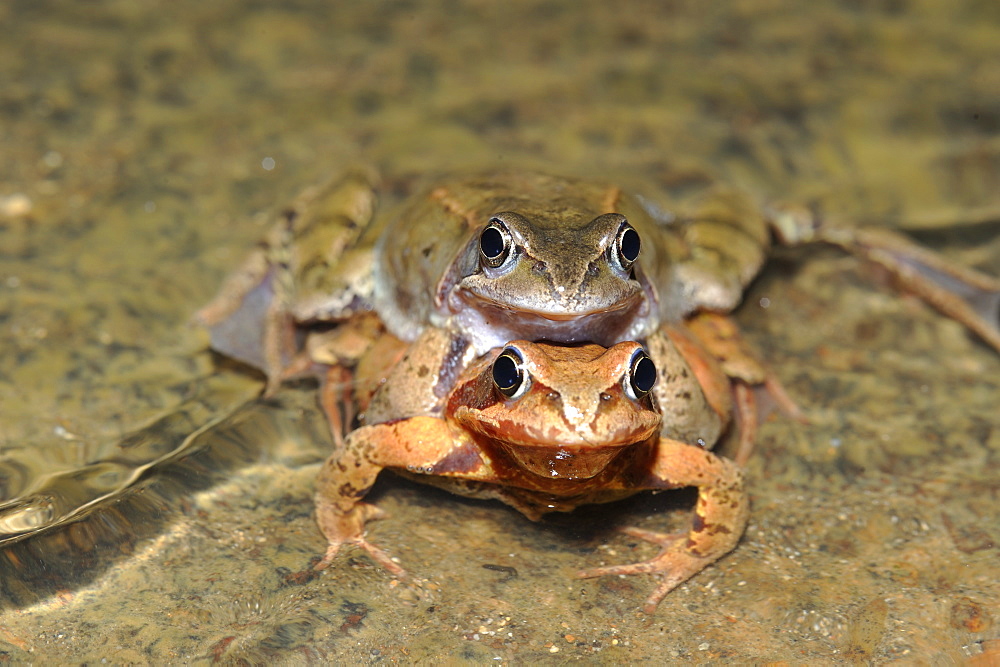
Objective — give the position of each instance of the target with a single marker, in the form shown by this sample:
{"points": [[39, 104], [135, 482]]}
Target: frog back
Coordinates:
{"points": [[699, 254]]}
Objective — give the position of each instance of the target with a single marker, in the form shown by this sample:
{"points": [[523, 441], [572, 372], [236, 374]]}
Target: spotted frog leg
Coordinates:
{"points": [[351, 360], [313, 267], [728, 372], [721, 514], [416, 443], [718, 243]]}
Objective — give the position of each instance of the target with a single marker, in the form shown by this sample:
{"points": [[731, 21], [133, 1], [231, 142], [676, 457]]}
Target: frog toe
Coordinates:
{"points": [[376, 553], [675, 566], [340, 528], [665, 540]]}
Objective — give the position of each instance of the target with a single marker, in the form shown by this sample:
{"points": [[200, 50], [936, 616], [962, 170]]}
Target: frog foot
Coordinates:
{"points": [[676, 563], [965, 295], [348, 528]]}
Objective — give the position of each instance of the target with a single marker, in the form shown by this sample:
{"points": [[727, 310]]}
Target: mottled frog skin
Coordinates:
{"points": [[490, 257], [474, 261], [507, 254], [543, 428]]}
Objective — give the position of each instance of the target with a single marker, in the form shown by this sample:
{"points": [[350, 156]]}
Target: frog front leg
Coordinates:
{"points": [[351, 360], [419, 444], [721, 515]]}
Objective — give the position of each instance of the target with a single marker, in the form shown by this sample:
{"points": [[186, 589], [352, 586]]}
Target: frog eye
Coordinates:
{"points": [[627, 246], [494, 244], [641, 375], [509, 376]]}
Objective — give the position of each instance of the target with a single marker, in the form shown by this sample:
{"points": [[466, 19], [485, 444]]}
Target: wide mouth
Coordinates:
{"points": [[554, 453], [554, 310], [561, 462]]}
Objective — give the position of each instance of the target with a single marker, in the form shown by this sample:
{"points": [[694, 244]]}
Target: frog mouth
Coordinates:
{"points": [[558, 453], [562, 462], [560, 311], [564, 458], [498, 322]]}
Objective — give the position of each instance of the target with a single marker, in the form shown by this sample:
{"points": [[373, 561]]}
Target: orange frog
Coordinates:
{"points": [[543, 428]]}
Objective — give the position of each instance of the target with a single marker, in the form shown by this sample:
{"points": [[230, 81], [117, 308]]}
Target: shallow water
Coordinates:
{"points": [[144, 145]]}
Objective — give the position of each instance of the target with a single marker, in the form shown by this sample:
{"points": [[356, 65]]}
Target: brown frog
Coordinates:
{"points": [[499, 255], [543, 428]]}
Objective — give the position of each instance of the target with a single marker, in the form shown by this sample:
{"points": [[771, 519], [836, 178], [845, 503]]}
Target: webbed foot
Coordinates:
{"points": [[675, 564], [967, 296], [720, 517], [348, 528]]}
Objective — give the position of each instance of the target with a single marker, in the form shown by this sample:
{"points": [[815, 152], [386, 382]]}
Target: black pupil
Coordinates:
{"points": [[629, 245], [491, 243], [643, 375], [506, 375]]}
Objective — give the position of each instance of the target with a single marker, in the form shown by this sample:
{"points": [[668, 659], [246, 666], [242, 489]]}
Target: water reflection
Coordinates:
{"points": [[76, 524]]}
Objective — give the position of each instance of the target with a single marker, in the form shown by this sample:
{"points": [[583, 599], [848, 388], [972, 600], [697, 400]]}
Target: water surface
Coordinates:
{"points": [[146, 143]]}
